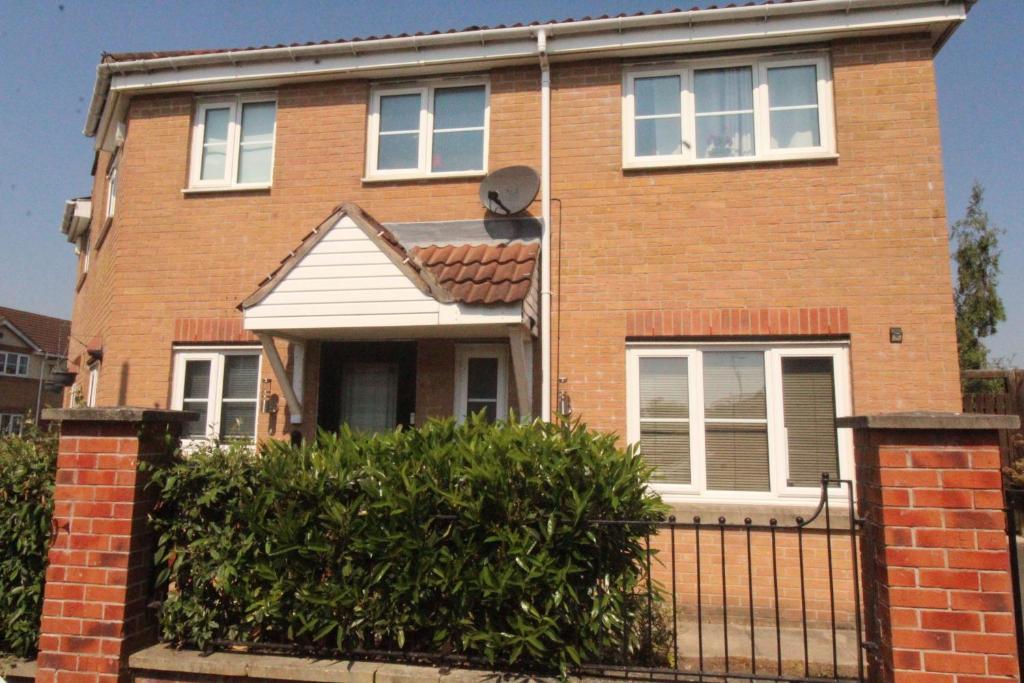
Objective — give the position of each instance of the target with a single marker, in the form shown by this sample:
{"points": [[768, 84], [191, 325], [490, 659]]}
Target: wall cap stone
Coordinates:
{"points": [[930, 421], [17, 668], [118, 414], [282, 668]]}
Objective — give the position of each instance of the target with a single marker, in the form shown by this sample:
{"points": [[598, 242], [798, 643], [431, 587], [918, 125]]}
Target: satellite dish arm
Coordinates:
{"points": [[492, 195]]}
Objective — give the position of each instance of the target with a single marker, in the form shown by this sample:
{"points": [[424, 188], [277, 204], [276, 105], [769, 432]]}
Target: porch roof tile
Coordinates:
{"points": [[482, 273]]}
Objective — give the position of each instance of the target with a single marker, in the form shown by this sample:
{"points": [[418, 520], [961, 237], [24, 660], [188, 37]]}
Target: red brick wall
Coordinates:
{"points": [[938, 594], [865, 233]]}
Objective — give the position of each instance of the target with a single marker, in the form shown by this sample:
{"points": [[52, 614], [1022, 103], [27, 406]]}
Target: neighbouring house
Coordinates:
{"points": [[739, 235], [32, 348]]}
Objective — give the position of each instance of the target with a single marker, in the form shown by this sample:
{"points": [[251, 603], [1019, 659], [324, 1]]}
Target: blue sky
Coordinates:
{"points": [[49, 50]]}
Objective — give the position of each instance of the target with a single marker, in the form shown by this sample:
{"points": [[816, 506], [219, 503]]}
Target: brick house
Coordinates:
{"points": [[32, 348], [739, 235]]}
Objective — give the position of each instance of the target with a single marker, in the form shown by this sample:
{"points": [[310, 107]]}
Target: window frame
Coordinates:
{"points": [[22, 358], [463, 354], [778, 458], [94, 385], [215, 391], [7, 424], [234, 104], [85, 249], [111, 204], [759, 65], [427, 91]]}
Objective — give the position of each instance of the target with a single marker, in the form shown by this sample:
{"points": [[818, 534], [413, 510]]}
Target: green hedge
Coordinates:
{"points": [[467, 539], [27, 468]]}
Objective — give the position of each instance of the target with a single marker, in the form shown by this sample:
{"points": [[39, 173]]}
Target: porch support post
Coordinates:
{"points": [[298, 371], [279, 373], [518, 342]]}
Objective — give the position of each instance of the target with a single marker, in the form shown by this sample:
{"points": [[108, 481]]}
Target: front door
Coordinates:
{"points": [[371, 387]]}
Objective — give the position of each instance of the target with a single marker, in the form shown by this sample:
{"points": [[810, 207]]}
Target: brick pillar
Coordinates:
{"points": [[938, 595], [99, 575]]}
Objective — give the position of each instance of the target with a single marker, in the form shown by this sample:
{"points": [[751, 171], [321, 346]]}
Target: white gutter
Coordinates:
{"points": [[823, 16], [545, 240]]}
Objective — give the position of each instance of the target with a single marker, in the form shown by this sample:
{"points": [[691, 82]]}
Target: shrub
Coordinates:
{"points": [[27, 468], [472, 539]]}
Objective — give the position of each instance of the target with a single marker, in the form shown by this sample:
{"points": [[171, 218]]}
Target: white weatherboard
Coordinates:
{"points": [[347, 282]]}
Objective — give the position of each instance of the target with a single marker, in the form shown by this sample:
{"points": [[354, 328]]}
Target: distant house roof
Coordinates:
{"points": [[482, 273], [48, 334]]}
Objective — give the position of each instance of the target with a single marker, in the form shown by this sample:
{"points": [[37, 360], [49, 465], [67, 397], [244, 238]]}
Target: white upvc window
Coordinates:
{"points": [[233, 142], [94, 385], [481, 381], [437, 129], [222, 386], [735, 110], [11, 423], [112, 188], [15, 364], [85, 249], [733, 421]]}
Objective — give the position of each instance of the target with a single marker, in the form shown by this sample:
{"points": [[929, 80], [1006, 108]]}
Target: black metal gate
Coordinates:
{"points": [[1014, 528], [750, 601]]}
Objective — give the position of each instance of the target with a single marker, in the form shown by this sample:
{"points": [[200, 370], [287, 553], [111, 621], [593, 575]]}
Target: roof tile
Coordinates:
{"points": [[133, 56], [49, 334], [482, 273]]}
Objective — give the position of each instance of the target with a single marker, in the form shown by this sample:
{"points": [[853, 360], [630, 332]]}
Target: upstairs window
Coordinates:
{"points": [[739, 420], [15, 364], [233, 142], [429, 130], [222, 388], [738, 110]]}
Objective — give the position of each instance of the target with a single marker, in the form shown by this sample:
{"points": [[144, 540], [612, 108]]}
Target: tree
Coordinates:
{"points": [[979, 309]]}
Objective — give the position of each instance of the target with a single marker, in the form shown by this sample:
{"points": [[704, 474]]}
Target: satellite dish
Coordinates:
{"points": [[509, 190]]}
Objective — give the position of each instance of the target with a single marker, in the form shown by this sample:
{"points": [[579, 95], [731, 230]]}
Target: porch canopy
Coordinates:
{"points": [[353, 278]]}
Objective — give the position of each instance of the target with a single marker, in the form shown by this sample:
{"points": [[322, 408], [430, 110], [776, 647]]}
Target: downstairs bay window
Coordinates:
{"points": [[222, 387], [728, 111], [739, 421]]}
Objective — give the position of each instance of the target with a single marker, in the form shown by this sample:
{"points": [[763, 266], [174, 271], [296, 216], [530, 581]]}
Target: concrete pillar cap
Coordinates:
{"points": [[932, 421], [118, 414]]}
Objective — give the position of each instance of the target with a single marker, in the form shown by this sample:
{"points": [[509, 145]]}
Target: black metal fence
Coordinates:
{"points": [[752, 601], [724, 601]]}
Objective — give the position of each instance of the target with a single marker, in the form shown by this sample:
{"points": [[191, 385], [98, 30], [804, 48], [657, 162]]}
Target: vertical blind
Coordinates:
{"points": [[808, 396], [197, 396], [239, 396], [664, 418], [736, 421]]}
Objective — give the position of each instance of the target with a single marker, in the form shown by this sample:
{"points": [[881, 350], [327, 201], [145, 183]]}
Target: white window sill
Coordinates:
{"points": [[416, 175], [836, 497], [675, 162], [225, 188]]}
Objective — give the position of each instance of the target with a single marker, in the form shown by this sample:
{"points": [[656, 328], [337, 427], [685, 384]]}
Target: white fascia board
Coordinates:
{"points": [[717, 29], [758, 32], [4, 322]]}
